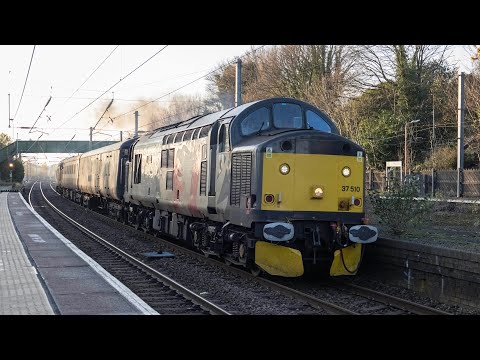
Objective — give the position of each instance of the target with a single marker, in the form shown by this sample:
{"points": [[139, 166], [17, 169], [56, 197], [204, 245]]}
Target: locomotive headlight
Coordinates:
{"points": [[318, 192], [284, 169], [346, 171]]}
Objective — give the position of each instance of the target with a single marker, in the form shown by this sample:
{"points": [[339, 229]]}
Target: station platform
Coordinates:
{"points": [[43, 273]]}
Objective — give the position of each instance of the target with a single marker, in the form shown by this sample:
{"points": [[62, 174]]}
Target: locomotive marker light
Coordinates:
{"points": [[269, 198], [359, 156], [284, 169], [346, 171], [269, 153]]}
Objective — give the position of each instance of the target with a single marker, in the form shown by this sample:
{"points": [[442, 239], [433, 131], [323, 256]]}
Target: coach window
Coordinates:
{"points": [[256, 121], [188, 135], [179, 136], [195, 133], [170, 138], [287, 116], [165, 138], [314, 121], [223, 142], [169, 180], [164, 159], [171, 157]]}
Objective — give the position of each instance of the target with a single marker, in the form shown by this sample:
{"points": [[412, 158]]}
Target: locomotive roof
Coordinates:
{"points": [[208, 119], [118, 145], [70, 159]]}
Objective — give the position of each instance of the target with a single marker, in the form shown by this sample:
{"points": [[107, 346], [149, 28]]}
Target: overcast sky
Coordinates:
{"points": [[59, 70]]}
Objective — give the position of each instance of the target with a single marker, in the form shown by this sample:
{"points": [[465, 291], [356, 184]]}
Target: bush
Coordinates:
{"points": [[397, 208], [445, 157]]}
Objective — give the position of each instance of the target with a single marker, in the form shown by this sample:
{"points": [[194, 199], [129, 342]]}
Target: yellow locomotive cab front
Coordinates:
{"points": [[318, 186], [314, 182]]}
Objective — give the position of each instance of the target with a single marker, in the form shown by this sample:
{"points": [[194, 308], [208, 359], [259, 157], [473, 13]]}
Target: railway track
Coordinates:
{"points": [[394, 301], [380, 303], [163, 294], [343, 298]]}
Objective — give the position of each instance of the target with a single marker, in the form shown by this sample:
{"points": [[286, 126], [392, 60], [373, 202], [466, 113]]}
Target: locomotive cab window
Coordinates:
{"points": [[223, 141], [287, 116], [255, 122], [314, 121], [137, 175]]}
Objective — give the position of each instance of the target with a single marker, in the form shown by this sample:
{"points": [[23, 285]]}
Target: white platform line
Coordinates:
{"points": [[122, 289]]}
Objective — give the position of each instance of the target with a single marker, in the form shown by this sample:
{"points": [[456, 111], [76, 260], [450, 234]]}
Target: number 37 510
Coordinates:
{"points": [[351, 188]]}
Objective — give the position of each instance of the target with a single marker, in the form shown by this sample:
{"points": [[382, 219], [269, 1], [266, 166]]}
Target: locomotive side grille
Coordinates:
{"points": [[236, 179], [203, 178], [241, 176]]}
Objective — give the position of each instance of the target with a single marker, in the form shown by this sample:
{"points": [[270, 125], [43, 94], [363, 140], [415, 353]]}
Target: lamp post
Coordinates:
{"points": [[10, 165], [406, 152]]}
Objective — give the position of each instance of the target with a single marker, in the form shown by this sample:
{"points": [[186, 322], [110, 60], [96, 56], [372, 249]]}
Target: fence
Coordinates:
{"points": [[433, 182]]}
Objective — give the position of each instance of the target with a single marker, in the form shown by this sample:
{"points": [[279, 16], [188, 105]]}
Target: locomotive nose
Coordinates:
{"points": [[313, 172]]}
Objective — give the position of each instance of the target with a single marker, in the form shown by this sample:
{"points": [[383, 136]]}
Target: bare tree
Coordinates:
{"points": [[320, 74], [4, 140], [221, 84]]}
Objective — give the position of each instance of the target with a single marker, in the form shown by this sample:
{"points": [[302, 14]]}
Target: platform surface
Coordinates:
{"points": [[68, 281], [21, 291]]}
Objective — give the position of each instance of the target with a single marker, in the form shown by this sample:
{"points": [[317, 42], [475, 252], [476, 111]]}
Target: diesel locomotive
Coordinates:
{"points": [[270, 185]]}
